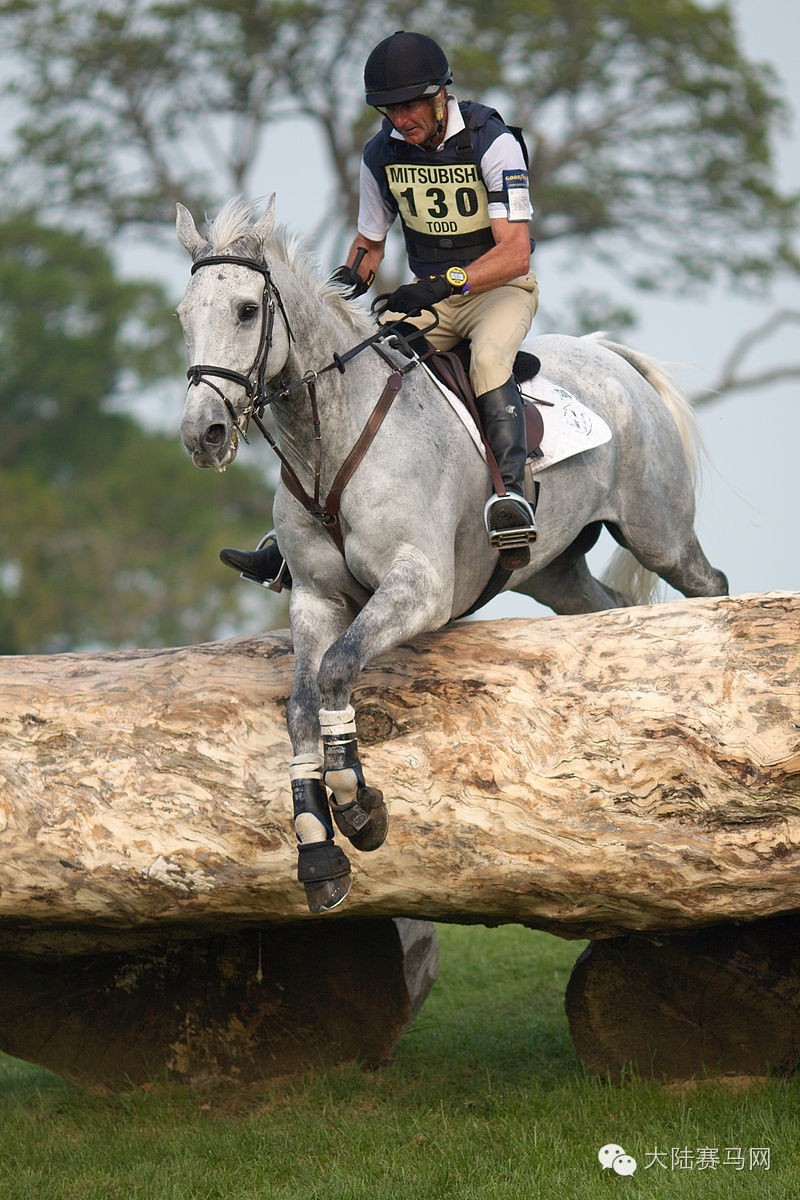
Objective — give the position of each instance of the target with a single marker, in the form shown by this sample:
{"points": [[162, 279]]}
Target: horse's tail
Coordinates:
{"points": [[624, 574]]}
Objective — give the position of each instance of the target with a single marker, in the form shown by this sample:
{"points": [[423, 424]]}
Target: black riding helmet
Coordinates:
{"points": [[403, 67]]}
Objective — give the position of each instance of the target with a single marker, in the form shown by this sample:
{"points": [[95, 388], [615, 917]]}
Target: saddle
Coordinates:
{"points": [[451, 367]]}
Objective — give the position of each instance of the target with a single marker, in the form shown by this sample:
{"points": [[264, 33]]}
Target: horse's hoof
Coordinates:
{"points": [[327, 894], [373, 833], [324, 870]]}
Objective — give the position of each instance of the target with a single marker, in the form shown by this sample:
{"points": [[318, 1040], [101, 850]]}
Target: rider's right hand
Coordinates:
{"points": [[346, 277]]}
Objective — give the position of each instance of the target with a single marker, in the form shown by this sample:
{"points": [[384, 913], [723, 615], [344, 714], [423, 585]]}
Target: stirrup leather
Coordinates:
{"points": [[516, 537]]}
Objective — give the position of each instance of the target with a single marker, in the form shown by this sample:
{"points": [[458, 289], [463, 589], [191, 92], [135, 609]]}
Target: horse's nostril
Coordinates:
{"points": [[214, 435]]}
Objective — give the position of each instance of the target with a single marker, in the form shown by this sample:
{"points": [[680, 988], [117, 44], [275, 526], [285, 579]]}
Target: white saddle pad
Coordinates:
{"points": [[569, 426]]}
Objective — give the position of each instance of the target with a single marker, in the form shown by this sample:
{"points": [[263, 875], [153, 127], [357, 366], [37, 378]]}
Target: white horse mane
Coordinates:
{"points": [[234, 223]]}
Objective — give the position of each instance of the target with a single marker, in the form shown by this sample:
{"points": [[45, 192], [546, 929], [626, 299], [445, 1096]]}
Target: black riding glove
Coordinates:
{"points": [[411, 298], [347, 277]]}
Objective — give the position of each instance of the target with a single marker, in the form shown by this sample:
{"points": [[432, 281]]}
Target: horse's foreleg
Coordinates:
{"points": [[410, 600], [323, 868]]}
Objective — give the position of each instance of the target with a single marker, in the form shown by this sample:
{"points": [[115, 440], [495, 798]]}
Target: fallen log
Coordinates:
{"points": [[636, 771], [630, 770]]}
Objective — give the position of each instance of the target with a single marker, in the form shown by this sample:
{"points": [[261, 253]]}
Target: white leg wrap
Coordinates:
{"points": [[343, 784], [310, 829], [338, 722], [305, 766]]}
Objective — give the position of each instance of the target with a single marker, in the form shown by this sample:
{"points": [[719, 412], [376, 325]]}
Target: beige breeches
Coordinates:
{"points": [[495, 323]]}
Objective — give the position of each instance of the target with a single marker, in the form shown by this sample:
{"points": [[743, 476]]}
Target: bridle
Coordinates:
{"points": [[254, 380]]}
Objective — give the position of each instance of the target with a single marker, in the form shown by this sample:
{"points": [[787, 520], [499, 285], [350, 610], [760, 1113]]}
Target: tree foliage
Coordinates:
{"points": [[72, 338], [652, 131], [108, 536]]}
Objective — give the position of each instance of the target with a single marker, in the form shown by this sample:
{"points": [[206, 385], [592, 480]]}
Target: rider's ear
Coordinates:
{"points": [[187, 233], [265, 224]]}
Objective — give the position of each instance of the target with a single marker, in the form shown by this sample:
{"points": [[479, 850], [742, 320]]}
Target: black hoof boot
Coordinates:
{"points": [[365, 820], [324, 870]]}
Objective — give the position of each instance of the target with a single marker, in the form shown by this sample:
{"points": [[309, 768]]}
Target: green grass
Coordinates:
{"points": [[484, 1099]]}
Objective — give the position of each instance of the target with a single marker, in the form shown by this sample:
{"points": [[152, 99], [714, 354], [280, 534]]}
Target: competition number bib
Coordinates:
{"points": [[440, 199]]}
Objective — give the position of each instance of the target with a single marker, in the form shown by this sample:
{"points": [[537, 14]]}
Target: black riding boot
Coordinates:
{"points": [[509, 519], [265, 565]]}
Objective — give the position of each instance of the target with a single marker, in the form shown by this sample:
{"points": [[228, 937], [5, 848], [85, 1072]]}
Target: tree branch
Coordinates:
{"points": [[732, 379]]}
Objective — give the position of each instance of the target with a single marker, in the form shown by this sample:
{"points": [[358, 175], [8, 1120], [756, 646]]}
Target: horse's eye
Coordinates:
{"points": [[247, 312]]}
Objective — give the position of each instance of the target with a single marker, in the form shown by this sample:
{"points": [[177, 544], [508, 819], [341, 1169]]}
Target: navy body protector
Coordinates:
{"points": [[434, 249]]}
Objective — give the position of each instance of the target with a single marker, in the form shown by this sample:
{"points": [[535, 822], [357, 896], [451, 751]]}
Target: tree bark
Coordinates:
{"points": [[635, 770]]}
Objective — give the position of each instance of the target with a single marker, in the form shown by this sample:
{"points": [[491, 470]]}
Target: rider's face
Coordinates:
{"points": [[415, 120]]}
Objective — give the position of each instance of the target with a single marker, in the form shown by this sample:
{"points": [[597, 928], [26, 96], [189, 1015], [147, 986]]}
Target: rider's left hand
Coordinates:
{"points": [[411, 298]]}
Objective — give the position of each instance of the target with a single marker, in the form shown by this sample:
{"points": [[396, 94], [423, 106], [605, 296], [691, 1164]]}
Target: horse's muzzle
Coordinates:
{"points": [[215, 446]]}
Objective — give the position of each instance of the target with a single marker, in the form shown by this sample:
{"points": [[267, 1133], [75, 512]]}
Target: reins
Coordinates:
{"points": [[253, 383]]}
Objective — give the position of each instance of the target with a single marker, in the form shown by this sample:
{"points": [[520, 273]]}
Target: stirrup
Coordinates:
{"points": [[280, 581], [513, 537]]}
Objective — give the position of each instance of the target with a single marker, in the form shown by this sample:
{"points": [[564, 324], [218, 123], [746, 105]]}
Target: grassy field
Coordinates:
{"points": [[484, 1099]]}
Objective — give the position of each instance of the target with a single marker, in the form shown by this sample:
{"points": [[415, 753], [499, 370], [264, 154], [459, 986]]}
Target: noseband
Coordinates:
{"points": [[254, 380]]}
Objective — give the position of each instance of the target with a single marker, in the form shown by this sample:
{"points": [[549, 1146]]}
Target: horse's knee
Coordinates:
{"points": [[338, 672], [302, 712]]}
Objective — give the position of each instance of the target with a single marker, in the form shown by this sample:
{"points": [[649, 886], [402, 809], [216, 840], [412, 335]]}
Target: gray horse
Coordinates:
{"points": [[390, 543]]}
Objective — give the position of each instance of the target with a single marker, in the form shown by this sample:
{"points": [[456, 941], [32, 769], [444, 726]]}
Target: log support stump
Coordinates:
{"points": [[235, 1007], [721, 1002]]}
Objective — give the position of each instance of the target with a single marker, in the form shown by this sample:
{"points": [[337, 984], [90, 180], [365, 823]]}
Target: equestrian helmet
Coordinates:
{"points": [[405, 66]]}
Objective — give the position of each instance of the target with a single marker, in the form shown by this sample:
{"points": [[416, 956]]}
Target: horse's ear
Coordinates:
{"points": [[265, 224], [187, 233]]}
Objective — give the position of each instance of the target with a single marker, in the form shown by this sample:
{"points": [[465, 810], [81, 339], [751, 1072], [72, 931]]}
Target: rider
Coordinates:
{"points": [[457, 178]]}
